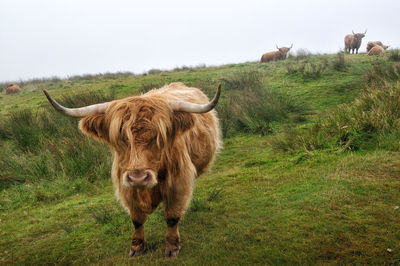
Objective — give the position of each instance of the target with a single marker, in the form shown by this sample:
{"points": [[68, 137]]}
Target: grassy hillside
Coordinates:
{"points": [[309, 174]]}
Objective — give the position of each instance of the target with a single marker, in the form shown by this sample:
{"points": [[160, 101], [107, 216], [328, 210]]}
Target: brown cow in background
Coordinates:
{"points": [[370, 45], [376, 50], [161, 142], [277, 55], [13, 88], [353, 42]]}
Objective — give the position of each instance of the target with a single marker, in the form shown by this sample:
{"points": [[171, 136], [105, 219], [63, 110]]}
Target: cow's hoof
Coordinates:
{"points": [[135, 253], [171, 253]]}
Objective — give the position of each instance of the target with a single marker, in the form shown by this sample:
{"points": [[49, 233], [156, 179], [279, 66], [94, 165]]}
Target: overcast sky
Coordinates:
{"points": [[44, 38]]}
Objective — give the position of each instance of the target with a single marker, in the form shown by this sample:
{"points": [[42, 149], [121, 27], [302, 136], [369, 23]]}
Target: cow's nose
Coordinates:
{"points": [[140, 178], [137, 174]]}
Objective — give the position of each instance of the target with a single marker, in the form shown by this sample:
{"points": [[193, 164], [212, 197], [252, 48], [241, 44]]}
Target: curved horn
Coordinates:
{"points": [[194, 107], [277, 47], [291, 46], [77, 112], [352, 31], [365, 31]]}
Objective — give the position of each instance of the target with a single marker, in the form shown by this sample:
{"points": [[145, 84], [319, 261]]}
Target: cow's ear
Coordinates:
{"points": [[93, 125], [182, 121]]}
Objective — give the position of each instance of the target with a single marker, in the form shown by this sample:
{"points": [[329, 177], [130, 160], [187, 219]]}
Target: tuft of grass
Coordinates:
{"points": [[154, 71], [307, 69], [251, 107], [45, 145], [339, 63], [375, 114], [300, 54], [381, 73], [394, 55], [23, 127]]}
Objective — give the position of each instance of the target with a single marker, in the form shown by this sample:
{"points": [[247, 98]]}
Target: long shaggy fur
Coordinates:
{"points": [[143, 132], [352, 42]]}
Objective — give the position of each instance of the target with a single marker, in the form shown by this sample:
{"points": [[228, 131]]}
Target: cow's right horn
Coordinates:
{"points": [[352, 31], [77, 112]]}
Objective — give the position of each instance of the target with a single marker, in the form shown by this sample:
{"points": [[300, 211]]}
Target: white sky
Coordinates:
{"points": [[44, 38]]}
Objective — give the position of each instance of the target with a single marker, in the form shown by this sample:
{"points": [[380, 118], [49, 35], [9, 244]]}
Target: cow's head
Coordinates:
{"points": [[284, 50], [140, 130], [359, 36]]}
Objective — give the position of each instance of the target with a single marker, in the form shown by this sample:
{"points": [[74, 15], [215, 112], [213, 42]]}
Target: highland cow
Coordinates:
{"points": [[13, 88], [353, 42], [281, 54], [376, 50], [370, 45], [161, 142]]}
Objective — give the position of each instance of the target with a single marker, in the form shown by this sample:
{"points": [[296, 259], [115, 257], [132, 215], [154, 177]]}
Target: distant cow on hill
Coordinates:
{"points": [[13, 88], [376, 50], [277, 55], [353, 42], [370, 45]]}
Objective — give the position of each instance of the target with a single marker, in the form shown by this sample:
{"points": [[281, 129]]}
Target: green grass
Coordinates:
{"points": [[267, 200], [271, 208]]}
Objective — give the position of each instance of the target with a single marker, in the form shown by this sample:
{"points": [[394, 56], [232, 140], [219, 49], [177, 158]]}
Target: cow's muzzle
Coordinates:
{"points": [[145, 178]]}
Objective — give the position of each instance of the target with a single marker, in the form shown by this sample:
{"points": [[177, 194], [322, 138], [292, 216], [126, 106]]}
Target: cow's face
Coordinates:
{"points": [[284, 51], [140, 131], [359, 36]]}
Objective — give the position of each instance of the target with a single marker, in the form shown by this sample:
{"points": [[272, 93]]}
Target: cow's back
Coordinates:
{"points": [[348, 40], [271, 56]]}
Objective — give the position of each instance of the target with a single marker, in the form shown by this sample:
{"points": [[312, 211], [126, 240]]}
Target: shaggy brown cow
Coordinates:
{"points": [[13, 88], [277, 55], [353, 42], [161, 142], [370, 45], [376, 50]]}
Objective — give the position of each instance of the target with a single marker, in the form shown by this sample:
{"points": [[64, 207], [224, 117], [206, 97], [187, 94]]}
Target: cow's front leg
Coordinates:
{"points": [[172, 241], [174, 210], [138, 240]]}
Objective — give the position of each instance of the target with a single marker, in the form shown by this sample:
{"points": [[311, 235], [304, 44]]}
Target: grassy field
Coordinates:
{"points": [[309, 174]]}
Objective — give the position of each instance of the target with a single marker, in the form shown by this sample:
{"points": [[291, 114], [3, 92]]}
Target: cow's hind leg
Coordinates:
{"points": [[138, 240]]}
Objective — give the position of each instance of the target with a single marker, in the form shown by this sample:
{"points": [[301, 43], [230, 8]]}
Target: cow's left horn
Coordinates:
{"points": [[194, 107], [291, 46], [77, 112], [365, 31]]}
